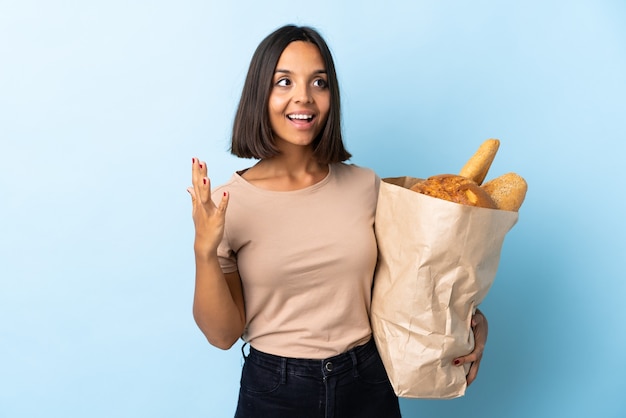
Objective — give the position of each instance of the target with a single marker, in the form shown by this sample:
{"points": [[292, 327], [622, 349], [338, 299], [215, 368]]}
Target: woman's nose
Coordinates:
{"points": [[302, 93]]}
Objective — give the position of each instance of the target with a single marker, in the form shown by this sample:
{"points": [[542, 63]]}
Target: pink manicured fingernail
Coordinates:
{"points": [[204, 181]]}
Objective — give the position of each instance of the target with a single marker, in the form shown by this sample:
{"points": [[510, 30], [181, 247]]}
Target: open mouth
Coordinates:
{"points": [[297, 117]]}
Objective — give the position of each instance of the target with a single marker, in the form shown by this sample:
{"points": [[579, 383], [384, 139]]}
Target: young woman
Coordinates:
{"points": [[289, 266]]}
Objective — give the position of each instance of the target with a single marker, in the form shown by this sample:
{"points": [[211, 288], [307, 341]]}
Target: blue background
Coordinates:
{"points": [[103, 104]]}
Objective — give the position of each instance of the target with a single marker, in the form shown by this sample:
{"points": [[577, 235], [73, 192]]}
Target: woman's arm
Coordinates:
{"points": [[480, 328], [218, 306]]}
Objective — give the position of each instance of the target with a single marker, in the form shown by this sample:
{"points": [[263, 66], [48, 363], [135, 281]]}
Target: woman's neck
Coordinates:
{"points": [[287, 172]]}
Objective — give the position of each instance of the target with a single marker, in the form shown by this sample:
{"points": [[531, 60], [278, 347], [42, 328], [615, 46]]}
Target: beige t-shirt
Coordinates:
{"points": [[306, 259]]}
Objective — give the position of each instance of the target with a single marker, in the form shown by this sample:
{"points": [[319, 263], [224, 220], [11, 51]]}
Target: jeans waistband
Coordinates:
{"points": [[312, 367]]}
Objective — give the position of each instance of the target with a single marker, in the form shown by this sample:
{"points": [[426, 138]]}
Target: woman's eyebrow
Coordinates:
{"points": [[285, 71]]}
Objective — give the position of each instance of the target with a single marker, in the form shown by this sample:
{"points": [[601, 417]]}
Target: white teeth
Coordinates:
{"points": [[302, 117]]}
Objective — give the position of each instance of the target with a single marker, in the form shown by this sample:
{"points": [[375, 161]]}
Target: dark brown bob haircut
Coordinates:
{"points": [[252, 133]]}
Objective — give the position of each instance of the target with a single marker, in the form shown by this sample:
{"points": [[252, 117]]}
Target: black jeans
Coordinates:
{"points": [[353, 384]]}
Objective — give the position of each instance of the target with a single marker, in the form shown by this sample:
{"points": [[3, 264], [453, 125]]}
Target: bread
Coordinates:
{"points": [[478, 165], [456, 189], [507, 191]]}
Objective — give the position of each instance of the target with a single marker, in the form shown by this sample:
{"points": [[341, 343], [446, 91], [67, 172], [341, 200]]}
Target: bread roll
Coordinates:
{"points": [[508, 191], [456, 189], [478, 165]]}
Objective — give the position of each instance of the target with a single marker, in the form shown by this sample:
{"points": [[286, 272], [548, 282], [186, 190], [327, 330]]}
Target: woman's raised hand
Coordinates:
{"points": [[208, 218]]}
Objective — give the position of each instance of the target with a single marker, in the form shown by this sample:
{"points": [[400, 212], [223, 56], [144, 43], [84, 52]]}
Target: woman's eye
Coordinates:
{"points": [[283, 82], [321, 83]]}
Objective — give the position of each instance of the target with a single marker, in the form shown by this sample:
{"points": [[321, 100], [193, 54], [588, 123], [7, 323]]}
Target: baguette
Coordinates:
{"points": [[478, 165]]}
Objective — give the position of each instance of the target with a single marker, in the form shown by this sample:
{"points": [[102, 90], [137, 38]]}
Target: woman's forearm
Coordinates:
{"points": [[218, 303]]}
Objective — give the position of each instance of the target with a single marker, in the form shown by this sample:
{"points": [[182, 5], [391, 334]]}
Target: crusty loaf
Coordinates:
{"points": [[508, 191], [456, 189]]}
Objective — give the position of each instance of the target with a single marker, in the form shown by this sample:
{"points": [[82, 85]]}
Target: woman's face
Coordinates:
{"points": [[300, 100]]}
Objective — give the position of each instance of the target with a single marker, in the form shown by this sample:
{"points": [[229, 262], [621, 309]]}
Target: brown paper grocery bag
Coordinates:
{"points": [[437, 261]]}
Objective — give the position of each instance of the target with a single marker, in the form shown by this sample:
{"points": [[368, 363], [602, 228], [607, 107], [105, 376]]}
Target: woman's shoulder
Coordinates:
{"points": [[353, 169], [356, 172], [219, 189]]}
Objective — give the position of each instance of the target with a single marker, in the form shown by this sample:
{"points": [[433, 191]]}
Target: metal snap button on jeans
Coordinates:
{"points": [[329, 367]]}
